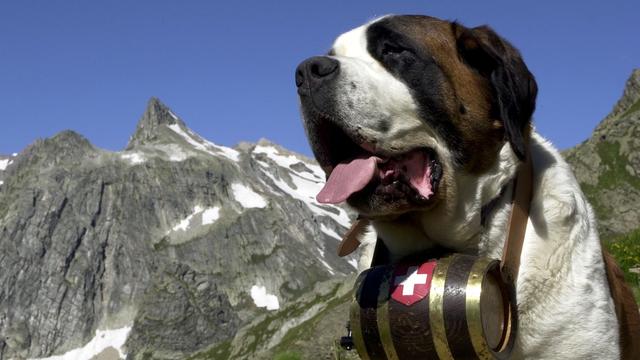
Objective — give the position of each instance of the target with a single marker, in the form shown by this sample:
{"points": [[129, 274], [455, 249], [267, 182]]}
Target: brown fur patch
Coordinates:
{"points": [[626, 310], [482, 135]]}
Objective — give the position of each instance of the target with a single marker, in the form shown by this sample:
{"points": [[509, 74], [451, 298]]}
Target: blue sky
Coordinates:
{"points": [[226, 67]]}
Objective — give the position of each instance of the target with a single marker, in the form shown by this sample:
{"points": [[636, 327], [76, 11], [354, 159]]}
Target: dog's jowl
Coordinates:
{"points": [[420, 125]]}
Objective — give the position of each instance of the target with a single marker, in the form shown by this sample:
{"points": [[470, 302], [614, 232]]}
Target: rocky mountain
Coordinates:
{"points": [[5, 161], [178, 248], [607, 165], [175, 247]]}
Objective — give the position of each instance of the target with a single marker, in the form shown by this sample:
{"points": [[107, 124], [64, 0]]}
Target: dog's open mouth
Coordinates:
{"points": [[413, 175]]}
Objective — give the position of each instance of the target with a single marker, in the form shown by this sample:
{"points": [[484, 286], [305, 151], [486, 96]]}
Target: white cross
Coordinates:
{"points": [[408, 282]]}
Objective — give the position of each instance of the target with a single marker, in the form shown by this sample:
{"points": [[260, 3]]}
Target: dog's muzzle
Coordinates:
{"points": [[313, 74]]}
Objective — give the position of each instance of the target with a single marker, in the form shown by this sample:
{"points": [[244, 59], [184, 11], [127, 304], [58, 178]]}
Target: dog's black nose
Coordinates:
{"points": [[316, 70]]}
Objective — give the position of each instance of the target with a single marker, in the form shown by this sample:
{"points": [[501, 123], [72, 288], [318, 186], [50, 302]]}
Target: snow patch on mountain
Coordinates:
{"points": [[262, 299], [103, 340], [324, 263], [287, 161], [203, 145], [198, 145], [353, 262], [227, 152], [304, 186], [174, 152], [247, 197], [305, 192], [327, 266], [209, 216], [134, 158], [330, 232], [4, 163], [186, 222]]}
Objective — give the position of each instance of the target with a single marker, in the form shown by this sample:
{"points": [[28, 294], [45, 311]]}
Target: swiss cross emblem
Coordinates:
{"points": [[410, 284]]}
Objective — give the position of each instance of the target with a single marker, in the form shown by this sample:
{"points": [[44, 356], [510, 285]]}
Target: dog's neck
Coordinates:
{"points": [[456, 224]]}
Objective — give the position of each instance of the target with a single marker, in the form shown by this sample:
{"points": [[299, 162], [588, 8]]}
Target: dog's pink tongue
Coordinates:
{"points": [[419, 172], [346, 179]]}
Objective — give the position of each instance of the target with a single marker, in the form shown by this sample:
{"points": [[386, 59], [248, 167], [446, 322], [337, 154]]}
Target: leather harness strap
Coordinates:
{"points": [[625, 305], [351, 239], [522, 193]]}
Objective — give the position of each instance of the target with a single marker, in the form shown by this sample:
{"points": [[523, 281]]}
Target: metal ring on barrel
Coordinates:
{"points": [[468, 312]]}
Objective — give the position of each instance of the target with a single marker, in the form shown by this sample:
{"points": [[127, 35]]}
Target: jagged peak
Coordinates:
{"points": [[156, 115], [63, 145], [264, 143], [67, 139], [248, 146], [69, 136], [625, 115], [630, 95]]}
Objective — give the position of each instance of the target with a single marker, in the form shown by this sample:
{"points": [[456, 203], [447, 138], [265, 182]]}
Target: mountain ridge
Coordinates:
{"points": [[144, 238], [177, 247], [607, 165], [151, 123]]}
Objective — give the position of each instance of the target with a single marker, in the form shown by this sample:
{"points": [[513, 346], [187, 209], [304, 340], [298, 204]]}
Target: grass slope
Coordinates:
{"points": [[626, 251]]}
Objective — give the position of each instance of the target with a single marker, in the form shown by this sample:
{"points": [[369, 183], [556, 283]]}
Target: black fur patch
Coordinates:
{"points": [[415, 67], [514, 87]]}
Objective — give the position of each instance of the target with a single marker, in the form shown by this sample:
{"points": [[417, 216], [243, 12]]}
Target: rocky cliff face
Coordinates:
{"points": [[608, 164], [177, 245], [180, 248], [5, 161]]}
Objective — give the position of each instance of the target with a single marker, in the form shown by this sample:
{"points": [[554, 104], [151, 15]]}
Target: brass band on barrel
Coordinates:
{"points": [[474, 317], [356, 326], [436, 309], [384, 326], [470, 312]]}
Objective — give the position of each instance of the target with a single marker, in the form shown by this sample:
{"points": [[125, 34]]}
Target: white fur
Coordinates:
{"points": [[378, 96], [565, 310], [564, 306]]}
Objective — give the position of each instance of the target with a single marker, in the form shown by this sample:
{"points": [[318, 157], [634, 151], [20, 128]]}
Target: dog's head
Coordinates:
{"points": [[403, 109]]}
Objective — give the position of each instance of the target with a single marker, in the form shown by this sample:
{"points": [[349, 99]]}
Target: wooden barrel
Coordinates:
{"points": [[456, 307]]}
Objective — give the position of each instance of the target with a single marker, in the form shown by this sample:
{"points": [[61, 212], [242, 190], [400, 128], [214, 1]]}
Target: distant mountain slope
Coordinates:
{"points": [[181, 248], [607, 165], [175, 245], [5, 161]]}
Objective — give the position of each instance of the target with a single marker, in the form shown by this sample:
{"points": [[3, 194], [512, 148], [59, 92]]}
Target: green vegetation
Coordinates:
{"points": [[614, 175], [261, 332], [221, 351], [633, 108], [615, 167], [289, 355], [626, 251], [306, 328]]}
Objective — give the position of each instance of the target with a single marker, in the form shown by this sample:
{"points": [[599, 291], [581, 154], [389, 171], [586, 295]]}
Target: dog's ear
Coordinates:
{"points": [[514, 87]]}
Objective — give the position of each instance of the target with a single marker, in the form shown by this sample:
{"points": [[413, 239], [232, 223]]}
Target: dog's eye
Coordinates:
{"points": [[393, 49]]}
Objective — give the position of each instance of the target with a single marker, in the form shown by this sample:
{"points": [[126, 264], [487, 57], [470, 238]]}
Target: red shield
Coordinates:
{"points": [[411, 283]]}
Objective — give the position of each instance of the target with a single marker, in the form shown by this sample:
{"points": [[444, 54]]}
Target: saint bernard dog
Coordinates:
{"points": [[420, 125]]}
